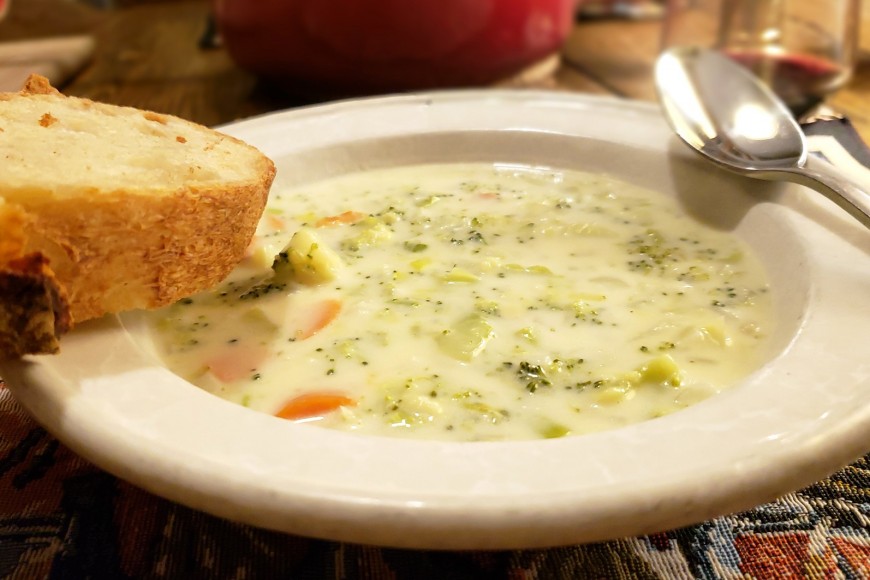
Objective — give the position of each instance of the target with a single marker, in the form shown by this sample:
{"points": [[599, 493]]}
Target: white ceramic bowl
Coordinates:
{"points": [[799, 418]]}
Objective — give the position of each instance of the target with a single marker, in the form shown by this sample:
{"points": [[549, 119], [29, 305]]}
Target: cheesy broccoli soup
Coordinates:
{"points": [[474, 302]]}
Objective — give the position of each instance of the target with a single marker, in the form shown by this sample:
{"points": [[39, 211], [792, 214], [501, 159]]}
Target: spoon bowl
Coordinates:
{"points": [[729, 116]]}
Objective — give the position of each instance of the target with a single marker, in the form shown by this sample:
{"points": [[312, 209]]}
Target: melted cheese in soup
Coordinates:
{"points": [[475, 302]]}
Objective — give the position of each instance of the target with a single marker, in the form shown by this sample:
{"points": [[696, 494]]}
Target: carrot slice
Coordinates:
{"points": [[313, 405], [348, 217], [320, 316], [275, 222], [237, 361]]}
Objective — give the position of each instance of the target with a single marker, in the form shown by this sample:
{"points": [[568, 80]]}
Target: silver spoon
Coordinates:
{"points": [[725, 113]]}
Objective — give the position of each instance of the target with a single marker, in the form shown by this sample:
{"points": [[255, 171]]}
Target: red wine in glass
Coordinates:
{"points": [[801, 80]]}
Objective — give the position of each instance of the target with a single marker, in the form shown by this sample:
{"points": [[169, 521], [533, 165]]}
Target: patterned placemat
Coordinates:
{"points": [[61, 517]]}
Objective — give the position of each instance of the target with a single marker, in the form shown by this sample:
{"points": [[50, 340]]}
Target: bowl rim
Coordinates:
{"points": [[107, 403]]}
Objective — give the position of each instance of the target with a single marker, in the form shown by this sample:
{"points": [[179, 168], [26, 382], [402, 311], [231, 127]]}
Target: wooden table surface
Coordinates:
{"points": [[147, 55]]}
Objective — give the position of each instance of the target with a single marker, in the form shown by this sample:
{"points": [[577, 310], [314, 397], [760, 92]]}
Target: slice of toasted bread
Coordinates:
{"points": [[111, 208]]}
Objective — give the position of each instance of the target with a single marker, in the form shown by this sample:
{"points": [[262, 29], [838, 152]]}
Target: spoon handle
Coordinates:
{"points": [[838, 129], [837, 141], [838, 186]]}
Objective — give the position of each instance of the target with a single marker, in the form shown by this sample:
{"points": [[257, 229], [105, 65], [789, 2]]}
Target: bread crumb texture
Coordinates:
{"points": [[129, 208], [65, 145], [35, 312]]}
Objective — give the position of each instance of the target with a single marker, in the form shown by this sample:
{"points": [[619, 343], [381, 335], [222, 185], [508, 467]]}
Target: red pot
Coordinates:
{"points": [[377, 45]]}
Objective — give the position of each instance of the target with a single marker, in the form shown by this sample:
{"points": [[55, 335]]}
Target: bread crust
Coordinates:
{"points": [[38, 85], [133, 251], [68, 258], [35, 312]]}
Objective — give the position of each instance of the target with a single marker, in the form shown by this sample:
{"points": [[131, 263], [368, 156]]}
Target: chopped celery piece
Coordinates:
{"points": [[715, 333], [410, 403], [374, 233], [529, 269], [419, 265], [491, 263], [307, 217], [404, 302], [615, 393], [527, 334], [583, 310], [486, 413], [347, 349], [427, 201], [460, 275], [258, 320], [409, 411], [554, 431], [415, 246], [391, 216], [711, 328], [733, 258], [662, 370], [490, 307], [467, 339], [587, 296]]}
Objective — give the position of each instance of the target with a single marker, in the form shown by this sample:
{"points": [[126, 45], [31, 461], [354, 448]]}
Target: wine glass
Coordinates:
{"points": [[803, 49]]}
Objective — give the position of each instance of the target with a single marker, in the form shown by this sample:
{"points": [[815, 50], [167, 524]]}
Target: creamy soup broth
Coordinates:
{"points": [[475, 302]]}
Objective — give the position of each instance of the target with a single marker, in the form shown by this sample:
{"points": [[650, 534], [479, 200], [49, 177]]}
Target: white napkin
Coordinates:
{"points": [[55, 58]]}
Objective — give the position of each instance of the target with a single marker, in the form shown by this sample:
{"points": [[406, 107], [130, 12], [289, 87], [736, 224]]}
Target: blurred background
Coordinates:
{"points": [[165, 55], [170, 56]]}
